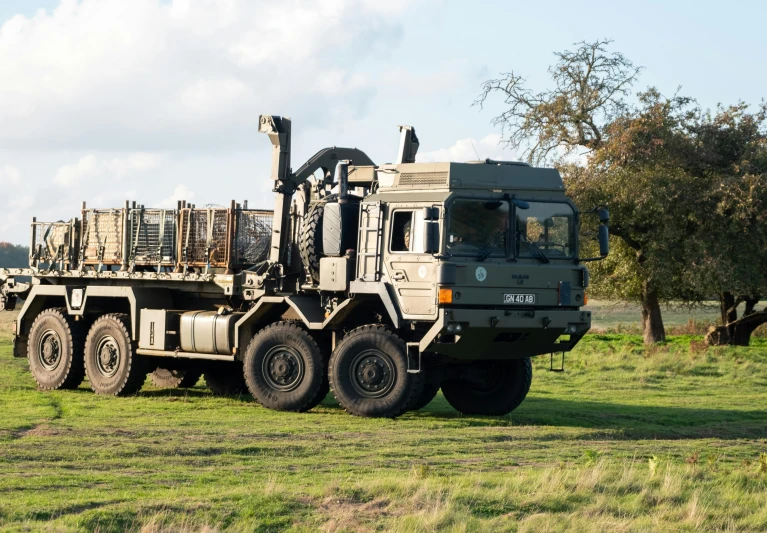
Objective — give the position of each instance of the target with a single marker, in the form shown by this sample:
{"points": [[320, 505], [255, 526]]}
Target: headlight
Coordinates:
{"points": [[451, 328], [458, 328]]}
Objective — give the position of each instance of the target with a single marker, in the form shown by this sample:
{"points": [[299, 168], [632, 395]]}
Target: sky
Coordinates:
{"points": [[158, 100]]}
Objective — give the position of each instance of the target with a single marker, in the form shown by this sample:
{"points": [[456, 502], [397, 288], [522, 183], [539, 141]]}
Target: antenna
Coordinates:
{"points": [[475, 150]]}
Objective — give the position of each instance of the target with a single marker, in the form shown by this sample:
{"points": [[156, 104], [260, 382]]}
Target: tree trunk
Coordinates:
{"points": [[652, 321], [729, 314]]}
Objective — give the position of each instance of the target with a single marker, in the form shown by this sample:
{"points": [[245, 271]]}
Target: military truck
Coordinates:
{"points": [[382, 283]]}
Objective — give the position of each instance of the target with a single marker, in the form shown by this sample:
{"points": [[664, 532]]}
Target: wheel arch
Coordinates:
{"points": [[126, 299]]}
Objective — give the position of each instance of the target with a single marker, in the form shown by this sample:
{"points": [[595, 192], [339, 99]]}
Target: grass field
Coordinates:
{"points": [[672, 438]]}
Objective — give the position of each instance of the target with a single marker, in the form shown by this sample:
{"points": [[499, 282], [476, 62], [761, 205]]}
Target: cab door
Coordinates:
{"points": [[412, 271]]}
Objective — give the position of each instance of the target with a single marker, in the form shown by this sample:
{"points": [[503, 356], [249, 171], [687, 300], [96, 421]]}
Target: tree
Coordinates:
{"points": [[590, 86], [13, 256], [586, 108], [686, 188]]}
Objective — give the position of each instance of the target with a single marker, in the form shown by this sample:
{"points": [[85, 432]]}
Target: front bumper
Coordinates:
{"points": [[505, 333]]}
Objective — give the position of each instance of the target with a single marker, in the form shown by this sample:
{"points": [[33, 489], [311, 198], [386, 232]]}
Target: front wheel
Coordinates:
{"points": [[284, 368], [496, 387], [368, 374]]}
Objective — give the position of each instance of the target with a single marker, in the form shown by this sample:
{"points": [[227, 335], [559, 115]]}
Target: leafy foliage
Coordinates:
{"points": [[13, 256]]}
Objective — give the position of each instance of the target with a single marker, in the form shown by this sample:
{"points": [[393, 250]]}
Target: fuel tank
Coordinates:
{"points": [[208, 332]]}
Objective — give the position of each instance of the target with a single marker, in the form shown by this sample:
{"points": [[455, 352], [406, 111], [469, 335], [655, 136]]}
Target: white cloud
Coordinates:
{"points": [[115, 74], [181, 192], [9, 175], [489, 147], [90, 167]]}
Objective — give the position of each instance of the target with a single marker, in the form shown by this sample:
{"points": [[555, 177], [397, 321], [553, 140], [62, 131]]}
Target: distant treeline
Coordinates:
{"points": [[13, 255]]}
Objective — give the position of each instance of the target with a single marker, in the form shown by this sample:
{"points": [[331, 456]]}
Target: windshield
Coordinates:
{"points": [[545, 228], [478, 227]]}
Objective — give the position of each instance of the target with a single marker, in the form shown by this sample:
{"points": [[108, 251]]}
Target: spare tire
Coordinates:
{"points": [[310, 245]]}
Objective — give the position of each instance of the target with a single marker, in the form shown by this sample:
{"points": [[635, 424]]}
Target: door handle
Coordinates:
{"points": [[399, 276]]}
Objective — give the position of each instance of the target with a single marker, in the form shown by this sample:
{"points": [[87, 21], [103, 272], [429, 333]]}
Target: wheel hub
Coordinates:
{"points": [[49, 350], [373, 374], [108, 356], [283, 368]]}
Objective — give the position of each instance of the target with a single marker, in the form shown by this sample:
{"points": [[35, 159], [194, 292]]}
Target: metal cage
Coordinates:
{"points": [[204, 237], [53, 244], [153, 234], [253, 237], [102, 236]]}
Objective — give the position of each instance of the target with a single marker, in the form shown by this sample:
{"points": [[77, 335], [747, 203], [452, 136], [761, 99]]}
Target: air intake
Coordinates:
{"points": [[423, 179]]}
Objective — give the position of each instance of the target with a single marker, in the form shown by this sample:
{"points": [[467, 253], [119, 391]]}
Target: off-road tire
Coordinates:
{"points": [[111, 363], [165, 378], [55, 351], [430, 390], [512, 385], [369, 357], [226, 379], [284, 368], [310, 244]]}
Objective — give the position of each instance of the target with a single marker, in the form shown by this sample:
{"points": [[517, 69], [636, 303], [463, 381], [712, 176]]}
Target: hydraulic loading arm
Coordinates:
{"points": [[286, 183]]}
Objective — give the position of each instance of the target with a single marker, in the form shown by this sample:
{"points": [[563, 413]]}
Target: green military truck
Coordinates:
{"points": [[382, 283]]}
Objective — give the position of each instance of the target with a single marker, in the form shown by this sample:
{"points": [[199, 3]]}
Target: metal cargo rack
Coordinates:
{"points": [[54, 244], [253, 236], [153, 234], [102, 237], [204, 237]]}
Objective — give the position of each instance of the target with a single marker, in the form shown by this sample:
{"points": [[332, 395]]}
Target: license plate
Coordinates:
{"points": [[519, 298]]}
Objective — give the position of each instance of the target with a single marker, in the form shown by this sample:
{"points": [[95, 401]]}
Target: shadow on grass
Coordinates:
{"points": [[628, 421]]}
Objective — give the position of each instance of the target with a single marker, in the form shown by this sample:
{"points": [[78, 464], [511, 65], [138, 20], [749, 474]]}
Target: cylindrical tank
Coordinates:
{"points": [[208, 332]]}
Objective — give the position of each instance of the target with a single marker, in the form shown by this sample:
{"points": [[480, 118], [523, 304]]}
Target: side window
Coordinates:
{"points": [[407, 231], [402, 231]]}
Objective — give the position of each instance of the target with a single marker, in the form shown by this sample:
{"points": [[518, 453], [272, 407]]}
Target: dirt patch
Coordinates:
{"points": [[38, 430], [352, 515]]}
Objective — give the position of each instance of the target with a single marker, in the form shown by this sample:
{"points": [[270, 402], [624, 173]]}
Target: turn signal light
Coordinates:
{"points": [[585, 298], [445, 295]]}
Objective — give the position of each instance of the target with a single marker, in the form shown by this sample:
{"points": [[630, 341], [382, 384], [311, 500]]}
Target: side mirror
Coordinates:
{"points": [[431, 237], [604, 241], [604, 215], [430, 213]]}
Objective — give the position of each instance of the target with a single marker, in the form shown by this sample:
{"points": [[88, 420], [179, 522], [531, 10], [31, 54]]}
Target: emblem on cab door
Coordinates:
{"points": [[481, 273]]}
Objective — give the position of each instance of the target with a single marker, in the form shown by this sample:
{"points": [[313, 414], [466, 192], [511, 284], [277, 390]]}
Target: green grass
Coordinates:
{"points": [[627, 439]]}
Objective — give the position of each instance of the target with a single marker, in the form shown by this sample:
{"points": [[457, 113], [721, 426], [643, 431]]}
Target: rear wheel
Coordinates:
{"points": [[55, 351], [430, 390], [368, 374], [175, 379], [111, 364], [284, 368], [496, 388], [225, 379]]}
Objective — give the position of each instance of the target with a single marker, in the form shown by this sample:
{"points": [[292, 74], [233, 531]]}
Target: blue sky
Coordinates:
{"points": [[105, 100]]}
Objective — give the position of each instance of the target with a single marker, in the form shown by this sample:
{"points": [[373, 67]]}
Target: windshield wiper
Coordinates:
{"points": [[487, 250], [533, 247]]}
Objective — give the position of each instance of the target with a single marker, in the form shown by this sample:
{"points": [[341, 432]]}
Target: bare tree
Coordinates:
{"points": [[590, 85]]}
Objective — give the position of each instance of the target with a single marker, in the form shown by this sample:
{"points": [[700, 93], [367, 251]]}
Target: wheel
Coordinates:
{"points": [[368, 373], [504, 386], [226, 379], [430, 390], [111, 364], [175, 379], [55, 351], [310, 244], [284, 368]]}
